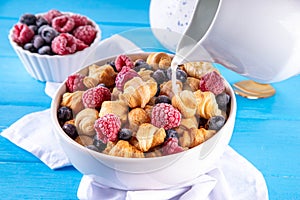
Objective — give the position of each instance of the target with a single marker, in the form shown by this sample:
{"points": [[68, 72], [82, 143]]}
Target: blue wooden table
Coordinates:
{"points": [[266, 133]]}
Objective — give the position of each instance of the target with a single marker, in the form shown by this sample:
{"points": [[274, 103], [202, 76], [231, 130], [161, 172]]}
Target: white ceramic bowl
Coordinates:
{"points": [[54, 68], [144, 173]]}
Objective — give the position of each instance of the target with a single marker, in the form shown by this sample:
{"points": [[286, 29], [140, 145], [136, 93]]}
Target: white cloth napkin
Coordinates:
{"points": [[232, 178]]}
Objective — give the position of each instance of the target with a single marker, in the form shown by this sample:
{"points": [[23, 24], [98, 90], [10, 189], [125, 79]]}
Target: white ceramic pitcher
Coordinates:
{"points": [[257, 39]]}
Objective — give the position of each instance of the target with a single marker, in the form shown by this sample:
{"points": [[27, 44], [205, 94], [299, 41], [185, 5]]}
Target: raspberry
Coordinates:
{"points": [[171, 146], [123, 76], [85, 33], [80, 45], [123, 60], [51, 14], [64, 44], [63, 24], [22, 34], [212, 82], [165, 116], [94, 97], [80, 20], [75, 83], [107, 128]]}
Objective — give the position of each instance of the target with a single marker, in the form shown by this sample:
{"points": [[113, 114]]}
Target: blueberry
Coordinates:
{"points": [[158, 90], [28, 19], [171, 133], [92, 147], [124, 134], [223, 100], [64, 114], [216, 123], [98, 144], [160, 76], [112, 63], [48, 33], [140, 64], [38, 41], [40, 21], [169, 73], [29, 47], [34, 28], [41, 28], [45, 50], [162, 99], [70, 130], [181, 75]]}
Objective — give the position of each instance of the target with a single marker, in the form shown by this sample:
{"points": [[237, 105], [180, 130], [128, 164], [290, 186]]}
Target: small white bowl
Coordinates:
{"points": [[54, 68], [144, 173]]}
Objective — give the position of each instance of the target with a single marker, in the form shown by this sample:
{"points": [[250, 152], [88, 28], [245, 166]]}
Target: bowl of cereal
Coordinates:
{"points": [[54, 44], [121, 121]]}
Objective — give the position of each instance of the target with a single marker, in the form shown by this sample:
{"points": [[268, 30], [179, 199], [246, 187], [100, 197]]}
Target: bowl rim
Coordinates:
{"points": [[58, 130], [91, 46]]}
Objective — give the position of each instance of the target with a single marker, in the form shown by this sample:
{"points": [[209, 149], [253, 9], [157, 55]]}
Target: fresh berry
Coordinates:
{"points": [[63, 24], [165, 116], [51, 14], [171, 147], [64, 114], [86, 33], [94, 97], [38, 41], [40, 21], [75, 83], [48, 33], [216, 123], [160, 76], [98, 143], [45, 50], [22, 34], [141, 64], [107, 128], [123, 76], [28, 19], [125, 134], [80, 20], [70, 130], [30, 47], [163, 99], [222, 100], [123, 60], [213, 82], [171, 133], [64, 44]]}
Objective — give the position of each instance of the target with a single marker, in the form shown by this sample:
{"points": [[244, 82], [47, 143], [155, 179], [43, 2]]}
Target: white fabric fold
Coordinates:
{"points": [[232, 178]]}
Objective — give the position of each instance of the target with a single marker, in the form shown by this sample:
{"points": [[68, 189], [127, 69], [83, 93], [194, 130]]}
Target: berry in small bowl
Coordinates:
{"points": [[54, 44]]}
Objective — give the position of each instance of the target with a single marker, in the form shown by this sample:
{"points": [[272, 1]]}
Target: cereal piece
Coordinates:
{"points": [[64, 44], [155, 152], [102, 74], [85, 120], [107, 128], [166, 88], [123, 76], [73, 101], [159, 60], [185, 102], [94, 97], [75, 83], [212, 82], [123, 60], [195, 136], [125, 149], [149, 136], [118, 108], [165, 116], [198, 69], [191, 84], [188, 123], [63, 23], [136, 117], [115, 94], [145, 74], [207, 106], [171, 147], [84, 140], [86, 33], [137, 93], [22, 34]]}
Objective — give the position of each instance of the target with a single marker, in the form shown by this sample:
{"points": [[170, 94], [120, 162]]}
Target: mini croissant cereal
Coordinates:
{"points": [[146, 117]]}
